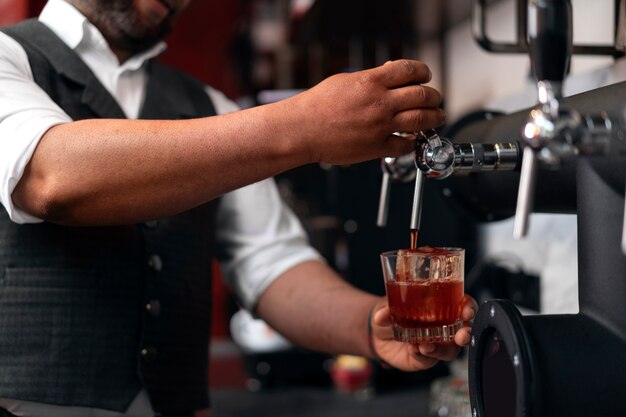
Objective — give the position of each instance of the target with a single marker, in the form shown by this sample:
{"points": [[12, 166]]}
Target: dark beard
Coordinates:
{"points": [[120, 25]]}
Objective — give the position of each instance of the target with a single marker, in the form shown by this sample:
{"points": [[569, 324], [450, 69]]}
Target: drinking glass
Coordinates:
{"points": [[425, 292]]}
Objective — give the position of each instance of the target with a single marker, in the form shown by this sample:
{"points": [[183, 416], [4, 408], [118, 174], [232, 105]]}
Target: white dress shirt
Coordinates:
{"points": [[261, 236]]}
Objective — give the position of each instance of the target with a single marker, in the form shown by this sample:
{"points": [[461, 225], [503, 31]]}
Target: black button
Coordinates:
{"points": [[153, 307], [148, 354], [155, 262]]}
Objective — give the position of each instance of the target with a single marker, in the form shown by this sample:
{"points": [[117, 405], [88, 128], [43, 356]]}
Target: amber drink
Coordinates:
{"points": [[425, 292]]}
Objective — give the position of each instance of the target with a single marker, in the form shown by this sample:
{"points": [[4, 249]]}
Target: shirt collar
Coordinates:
{"points": [[74, 29]]}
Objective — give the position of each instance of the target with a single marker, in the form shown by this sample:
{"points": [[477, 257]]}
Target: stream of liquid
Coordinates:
{"points": [[414, 235]]}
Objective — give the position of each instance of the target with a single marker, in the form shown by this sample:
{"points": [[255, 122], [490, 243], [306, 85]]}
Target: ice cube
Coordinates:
{"points": [[405, 265]]}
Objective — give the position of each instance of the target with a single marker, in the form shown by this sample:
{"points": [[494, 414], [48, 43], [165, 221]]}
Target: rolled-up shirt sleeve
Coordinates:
{"points": [[262, 238], [26, 113]]}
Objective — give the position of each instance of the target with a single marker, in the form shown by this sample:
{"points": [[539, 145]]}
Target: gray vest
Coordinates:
{"points": [[89, 315]]}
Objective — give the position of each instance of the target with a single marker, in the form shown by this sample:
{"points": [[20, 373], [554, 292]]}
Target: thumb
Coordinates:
{"points": [[382, 316]]}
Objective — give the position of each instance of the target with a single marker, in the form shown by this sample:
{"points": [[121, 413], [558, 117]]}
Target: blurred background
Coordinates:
{"points": [[259, 51]]}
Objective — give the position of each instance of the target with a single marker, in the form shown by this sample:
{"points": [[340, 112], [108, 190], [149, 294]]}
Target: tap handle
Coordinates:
{"points": [[416, 213], [550, 38], [383, 203], [401, 169], [526, 193]]}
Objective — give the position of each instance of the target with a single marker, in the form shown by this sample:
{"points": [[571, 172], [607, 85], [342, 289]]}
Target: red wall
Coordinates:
{"points": [[201, 40], [12, 11], [199, 43]]}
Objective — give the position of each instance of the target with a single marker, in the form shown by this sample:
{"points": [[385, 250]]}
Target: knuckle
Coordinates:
{"points": [[422, 94], [379, 103], [408, 66], [366, 78], [419, 120]]}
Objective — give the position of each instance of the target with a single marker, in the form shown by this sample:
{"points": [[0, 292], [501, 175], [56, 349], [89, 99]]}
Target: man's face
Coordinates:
{"points": [[132, 25]]}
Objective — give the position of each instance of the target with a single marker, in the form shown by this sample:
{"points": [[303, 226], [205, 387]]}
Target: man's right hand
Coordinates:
{"points": [[350, 117]]}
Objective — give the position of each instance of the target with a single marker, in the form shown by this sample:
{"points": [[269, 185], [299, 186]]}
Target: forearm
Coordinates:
{"points": [[118, 171], [123, 171], [315, 308]]}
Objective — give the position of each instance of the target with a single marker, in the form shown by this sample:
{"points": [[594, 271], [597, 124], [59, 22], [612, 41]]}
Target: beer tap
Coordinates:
{"points": [[536, 356], [553, 132], [437, 157], [550, 44], [401, 169]]}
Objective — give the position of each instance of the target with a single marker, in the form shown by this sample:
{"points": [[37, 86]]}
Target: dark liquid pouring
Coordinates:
{"points": [[414, 234]]}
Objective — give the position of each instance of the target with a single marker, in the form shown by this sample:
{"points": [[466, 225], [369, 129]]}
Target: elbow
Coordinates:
{"points": [[44, 199]]}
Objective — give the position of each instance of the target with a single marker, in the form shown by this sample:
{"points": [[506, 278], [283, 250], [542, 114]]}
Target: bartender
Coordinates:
{"points": [[110, 225]]}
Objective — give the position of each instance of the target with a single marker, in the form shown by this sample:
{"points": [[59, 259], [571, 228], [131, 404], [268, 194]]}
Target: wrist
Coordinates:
{"points": [[307, 133], [275, 134]]}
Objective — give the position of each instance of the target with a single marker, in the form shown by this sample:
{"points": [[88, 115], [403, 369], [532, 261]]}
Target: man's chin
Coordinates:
{"points": [[137, 44]]}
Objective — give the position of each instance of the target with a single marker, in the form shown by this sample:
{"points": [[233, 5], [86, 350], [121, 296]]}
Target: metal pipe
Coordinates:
{"points": [[480, 157], [520, 46], [383, 203], [416, 212], [526, 193]]}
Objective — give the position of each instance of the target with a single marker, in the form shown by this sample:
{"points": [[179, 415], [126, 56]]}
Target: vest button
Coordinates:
{"points": [[151, 224], [148, 354], [155, 262], [153, 307]]}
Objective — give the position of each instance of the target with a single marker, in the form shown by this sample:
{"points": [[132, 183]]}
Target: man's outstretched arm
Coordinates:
{"points": [[106, 171]]}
